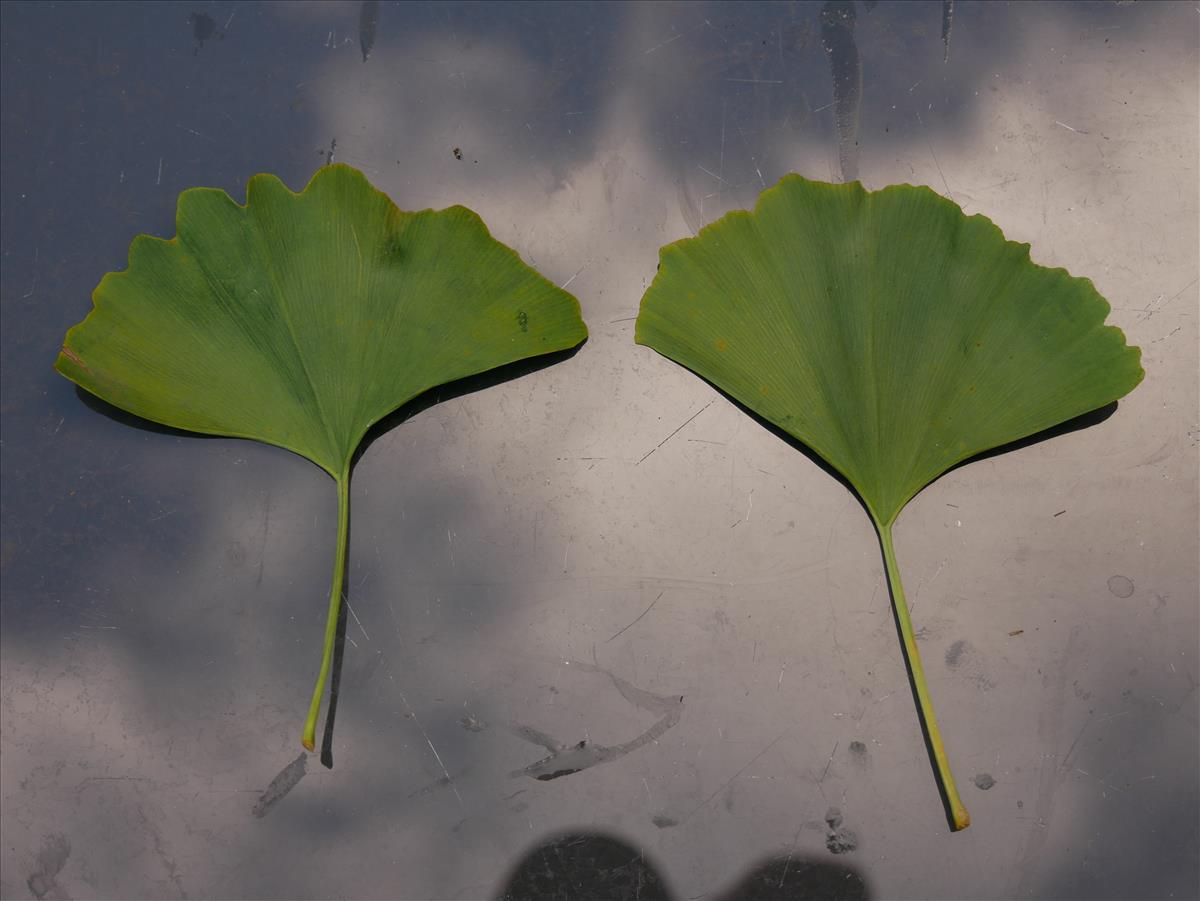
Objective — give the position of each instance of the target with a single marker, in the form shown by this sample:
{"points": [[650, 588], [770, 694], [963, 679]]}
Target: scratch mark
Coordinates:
{"points": [[1106, 784], [674, 433], [395, 622], [1151, 309], [1071, 750], [1078, 131], [663, 44], [709, 24], [576, 275], [762, 182], [33, 286], [730, 780], [357, 620], [827, 764], [949, 193], [721, 167], [636, 621], [436, 756], [158, 180]]}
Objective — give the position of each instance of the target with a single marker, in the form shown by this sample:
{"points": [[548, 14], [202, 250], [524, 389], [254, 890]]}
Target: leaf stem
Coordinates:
{"points": [[958, 813], [335, 605]]}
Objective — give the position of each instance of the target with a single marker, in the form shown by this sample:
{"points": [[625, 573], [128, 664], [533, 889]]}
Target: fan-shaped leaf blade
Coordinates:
{"points": [[302, 319], [887, 331]]}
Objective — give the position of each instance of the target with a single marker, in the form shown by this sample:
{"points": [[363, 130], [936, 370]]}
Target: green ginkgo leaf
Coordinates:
{"points": [[302, 319], [892, 334]]}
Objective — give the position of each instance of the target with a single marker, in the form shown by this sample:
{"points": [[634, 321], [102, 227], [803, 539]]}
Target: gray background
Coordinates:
{"points": [[164, 595]]}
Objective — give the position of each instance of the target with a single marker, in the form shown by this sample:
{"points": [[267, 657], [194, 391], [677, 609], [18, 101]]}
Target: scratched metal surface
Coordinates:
{"points": [[562, 557]]}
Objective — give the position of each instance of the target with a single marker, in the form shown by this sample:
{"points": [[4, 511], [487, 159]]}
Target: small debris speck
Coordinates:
{"points": [[1121, 586], [842, 841]]}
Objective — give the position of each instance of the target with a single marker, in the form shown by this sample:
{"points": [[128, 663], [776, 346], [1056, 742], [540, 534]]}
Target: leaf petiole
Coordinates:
{"points": [[335, 606], [958, 813]]}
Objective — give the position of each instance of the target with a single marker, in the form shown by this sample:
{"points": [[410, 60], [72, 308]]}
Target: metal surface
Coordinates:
{"points": [[562, 556]]}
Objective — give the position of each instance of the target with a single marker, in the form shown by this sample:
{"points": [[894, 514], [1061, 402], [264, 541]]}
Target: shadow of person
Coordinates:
{"points": [[593, 866], [799, 878], [584, 866]]}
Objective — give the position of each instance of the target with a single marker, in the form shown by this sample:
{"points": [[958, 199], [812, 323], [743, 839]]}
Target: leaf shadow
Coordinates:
{"points": [[423, 401], [339, 656], [1075, 424], [457, 388], [124, 417]]}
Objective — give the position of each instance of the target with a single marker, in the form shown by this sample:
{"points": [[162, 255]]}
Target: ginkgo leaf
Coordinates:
{"points": [[892, 334], [301, 320]]}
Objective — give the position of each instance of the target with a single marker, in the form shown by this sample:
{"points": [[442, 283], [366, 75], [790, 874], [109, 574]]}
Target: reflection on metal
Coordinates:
{"points": [[947, 24], [687, 207], [368, 21], [837, 37], [204, 27], [567, 759]]}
